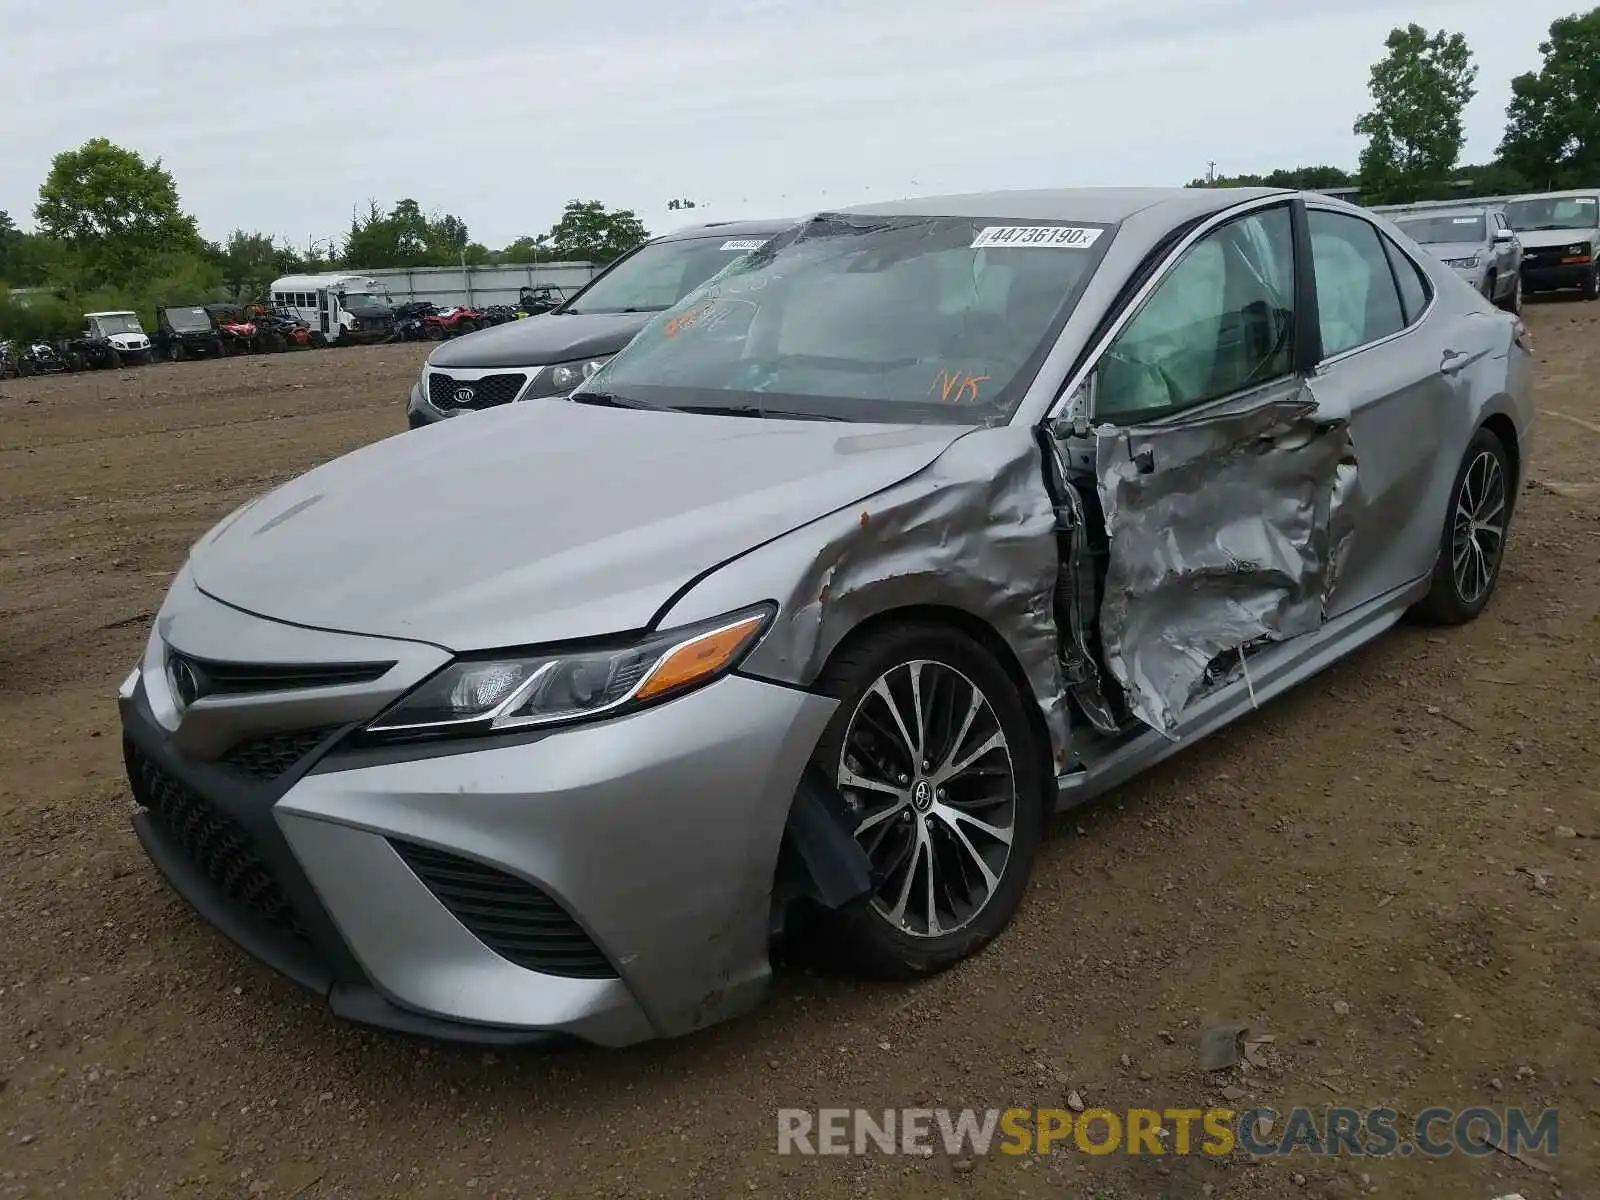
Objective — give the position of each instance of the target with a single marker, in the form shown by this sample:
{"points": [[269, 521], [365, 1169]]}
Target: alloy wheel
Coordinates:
{"points": [[1478, 535], [927, 770]]}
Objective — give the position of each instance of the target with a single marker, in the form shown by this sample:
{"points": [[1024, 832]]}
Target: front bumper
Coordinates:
{"points": [[419, 412], [652, 838], [1552, 277]]}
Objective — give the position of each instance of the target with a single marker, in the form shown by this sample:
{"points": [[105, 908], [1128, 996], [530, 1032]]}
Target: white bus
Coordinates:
{"points": [[338, 307]]}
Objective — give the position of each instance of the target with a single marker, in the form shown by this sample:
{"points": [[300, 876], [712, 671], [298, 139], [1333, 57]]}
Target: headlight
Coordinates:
{"points": [[481, 695], [1463, 263], [1578, 251], [563, 377]]}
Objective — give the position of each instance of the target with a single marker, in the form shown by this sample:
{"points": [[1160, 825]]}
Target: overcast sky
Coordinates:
{"points": [[280, 118]]}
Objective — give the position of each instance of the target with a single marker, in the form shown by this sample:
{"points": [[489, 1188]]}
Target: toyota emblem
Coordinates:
{"points": [[464, 394]]}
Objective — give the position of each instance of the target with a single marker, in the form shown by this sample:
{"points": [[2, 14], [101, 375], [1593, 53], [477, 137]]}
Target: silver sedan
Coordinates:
{"points": [[911, 526]]}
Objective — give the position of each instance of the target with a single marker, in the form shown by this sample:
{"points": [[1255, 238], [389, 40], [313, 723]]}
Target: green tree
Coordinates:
{"points": [[1552, 133], [113, 210], [1414, 132], [589, 232], [1312, 178], [405, 236]]}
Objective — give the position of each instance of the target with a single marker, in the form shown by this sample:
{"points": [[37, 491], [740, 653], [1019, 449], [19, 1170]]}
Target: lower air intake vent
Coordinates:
{"points": [[509, 915]]}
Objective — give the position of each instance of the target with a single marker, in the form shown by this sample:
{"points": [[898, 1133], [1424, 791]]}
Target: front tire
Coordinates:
{"points": [[933, 751], [1472, 544], [1513, 298], [1591, 289]]}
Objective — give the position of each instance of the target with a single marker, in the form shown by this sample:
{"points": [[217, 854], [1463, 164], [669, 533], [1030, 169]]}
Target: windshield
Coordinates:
{"points": [[118, 323], [933, 319], [657, 276], [1554, 212], [1468, 227], [354, 300], [188, 318]]}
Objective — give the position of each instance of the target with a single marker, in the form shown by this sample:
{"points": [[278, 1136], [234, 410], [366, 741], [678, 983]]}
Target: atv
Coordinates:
{"points": [[499, 314], [40, 358], [88, 353], [532, 301], [409, 321], [451, 322], [240, 334], [187, 331], [8, 359], [283, 330]]}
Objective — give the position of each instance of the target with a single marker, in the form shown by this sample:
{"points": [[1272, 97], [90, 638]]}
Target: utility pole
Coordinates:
{"points": [[1211, 171]]}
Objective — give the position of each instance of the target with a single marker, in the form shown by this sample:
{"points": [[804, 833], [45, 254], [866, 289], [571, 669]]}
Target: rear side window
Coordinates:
{"points": [[1415, 291], [1358, 301]]}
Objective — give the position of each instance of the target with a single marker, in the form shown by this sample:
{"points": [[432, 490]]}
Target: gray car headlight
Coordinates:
{"points": [[1464, 263], [490, 694]]}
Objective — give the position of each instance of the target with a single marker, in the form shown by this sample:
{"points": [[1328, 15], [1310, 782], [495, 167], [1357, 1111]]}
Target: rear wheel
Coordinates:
{"points": [[1472, 544], [176, 352], [221, 348], [318, 339], [933, 752]]}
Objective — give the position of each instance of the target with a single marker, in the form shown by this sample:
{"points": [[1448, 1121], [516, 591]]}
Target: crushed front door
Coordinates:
{"points": [[1226, 531]]}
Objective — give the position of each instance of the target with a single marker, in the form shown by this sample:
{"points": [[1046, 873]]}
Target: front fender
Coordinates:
{"points": [[973, 531]]}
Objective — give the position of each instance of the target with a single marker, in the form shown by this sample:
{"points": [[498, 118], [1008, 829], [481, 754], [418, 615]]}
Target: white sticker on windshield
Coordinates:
{"points": [[744, 244], [1465, 220], [1061, 237]]}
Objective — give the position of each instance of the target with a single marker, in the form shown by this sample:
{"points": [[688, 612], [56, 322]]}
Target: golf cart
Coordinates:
{"points": [[123, 331]]}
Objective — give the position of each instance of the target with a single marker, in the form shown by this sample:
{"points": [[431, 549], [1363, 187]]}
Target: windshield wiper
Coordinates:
{"points": [[752, 410], [606, 400]]}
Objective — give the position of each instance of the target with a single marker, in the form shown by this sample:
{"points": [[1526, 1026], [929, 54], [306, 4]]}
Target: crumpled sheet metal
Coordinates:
{"points": [[1230, 533], [974, 531]]}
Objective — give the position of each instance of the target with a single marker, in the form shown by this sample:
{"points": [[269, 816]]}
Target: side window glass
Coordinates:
{"points": [[1220, 321], [1414, 289], [1357, 300]]}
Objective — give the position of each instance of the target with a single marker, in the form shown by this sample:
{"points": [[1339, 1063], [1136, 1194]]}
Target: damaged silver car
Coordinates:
{"points": [[922, 521]]}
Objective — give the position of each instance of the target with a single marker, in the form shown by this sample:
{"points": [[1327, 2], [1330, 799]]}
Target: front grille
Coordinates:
{"points": [[509, 915], [213, 678], [213, 841], [268, 757], [486, 392]]}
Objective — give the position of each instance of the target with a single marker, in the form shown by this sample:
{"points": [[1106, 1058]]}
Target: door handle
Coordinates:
{"points": [[1453, 361]]}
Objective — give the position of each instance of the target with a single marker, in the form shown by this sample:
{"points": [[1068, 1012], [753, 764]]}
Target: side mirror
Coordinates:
{"points": [[1503, 235]]}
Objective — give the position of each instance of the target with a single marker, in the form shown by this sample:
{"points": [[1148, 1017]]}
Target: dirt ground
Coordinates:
{"points": [[1379, 870]]}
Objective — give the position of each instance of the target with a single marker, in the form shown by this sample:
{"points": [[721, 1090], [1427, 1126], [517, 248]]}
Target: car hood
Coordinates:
{"points": [[1539, 239], [535, 523], [125, 341], [536, 341], [1444, 250]]}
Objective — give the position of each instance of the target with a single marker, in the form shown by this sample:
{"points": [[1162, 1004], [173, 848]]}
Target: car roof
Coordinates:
{"points": [[729, 229], [1101, 205], [1463, 210], [113, 312]]}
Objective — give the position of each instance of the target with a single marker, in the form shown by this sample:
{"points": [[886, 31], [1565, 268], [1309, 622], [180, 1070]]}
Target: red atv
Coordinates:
{"points": [[240, 334], [451, 322], [282, 330]]}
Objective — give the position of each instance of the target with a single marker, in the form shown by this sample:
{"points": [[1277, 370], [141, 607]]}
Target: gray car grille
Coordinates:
{"points": [[213, 841]]}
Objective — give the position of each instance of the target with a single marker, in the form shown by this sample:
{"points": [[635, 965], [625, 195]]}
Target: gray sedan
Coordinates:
{"points": [[1477, 243], [798, 618]]}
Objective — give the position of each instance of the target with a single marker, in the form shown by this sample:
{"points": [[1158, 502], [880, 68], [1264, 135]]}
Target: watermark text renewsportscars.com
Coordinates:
{"points": [[1260, 1132]]}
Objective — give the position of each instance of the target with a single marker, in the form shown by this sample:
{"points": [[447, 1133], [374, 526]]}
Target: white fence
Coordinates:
{"points": [[478, 286]]}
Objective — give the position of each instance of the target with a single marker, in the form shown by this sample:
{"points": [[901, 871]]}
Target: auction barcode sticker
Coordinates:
{"points": [[1061, 237], [744, 244]]}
